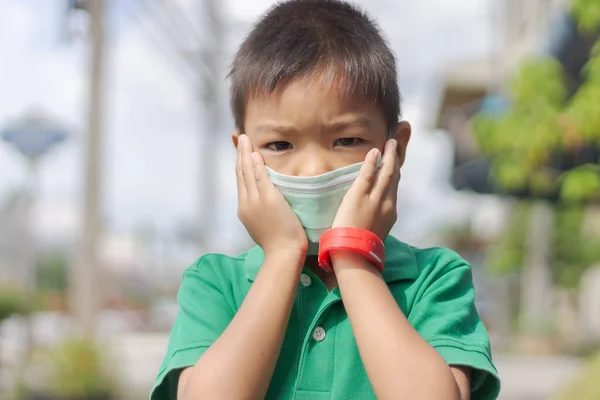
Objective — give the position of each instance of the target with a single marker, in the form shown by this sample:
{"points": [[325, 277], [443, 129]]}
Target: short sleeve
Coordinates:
{"points": [[204, 313], [445, 316]]}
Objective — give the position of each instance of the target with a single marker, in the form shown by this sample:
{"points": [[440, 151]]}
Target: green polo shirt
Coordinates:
{"points": [[319, 358]]}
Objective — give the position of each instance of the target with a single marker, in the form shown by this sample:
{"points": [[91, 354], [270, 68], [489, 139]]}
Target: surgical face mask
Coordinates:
{"points": [[316, 199]]}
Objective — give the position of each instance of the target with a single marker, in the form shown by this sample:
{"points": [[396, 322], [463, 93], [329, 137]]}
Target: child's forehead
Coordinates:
{"points": [[312, 103], [325, 87], [322, 97]]}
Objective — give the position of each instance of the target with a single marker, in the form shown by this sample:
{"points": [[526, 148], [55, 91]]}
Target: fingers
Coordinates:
{"points": [[364, 181], [252, 175], [239, 177], [263, 182], [393, 189], [388, 175], [247, 166]]}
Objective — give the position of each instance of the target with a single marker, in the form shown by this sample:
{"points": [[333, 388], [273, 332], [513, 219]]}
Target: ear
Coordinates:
{"points": [[235, 136], [402, 133]]}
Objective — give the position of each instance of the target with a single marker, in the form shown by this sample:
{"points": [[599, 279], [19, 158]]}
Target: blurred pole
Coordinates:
{"points": [[536, 284], [29, 277], [210, 59], [206, 65], [86, 280], [33, 135]]}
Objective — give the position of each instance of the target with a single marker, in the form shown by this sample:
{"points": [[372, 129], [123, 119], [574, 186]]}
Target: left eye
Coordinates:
{"points": [[348, 142]]}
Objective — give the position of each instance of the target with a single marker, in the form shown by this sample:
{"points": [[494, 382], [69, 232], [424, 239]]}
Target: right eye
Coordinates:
{"points": [[279, 146]]}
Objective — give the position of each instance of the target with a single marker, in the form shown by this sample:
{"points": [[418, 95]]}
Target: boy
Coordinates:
{"points": [[319, 149]]}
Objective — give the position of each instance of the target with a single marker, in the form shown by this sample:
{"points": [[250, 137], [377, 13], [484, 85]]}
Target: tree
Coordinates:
{"points": [[544, 125], [540, 145], [574, 249]]}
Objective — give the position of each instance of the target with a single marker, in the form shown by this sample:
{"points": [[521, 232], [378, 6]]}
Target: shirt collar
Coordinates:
{"points": [[400, 263]]}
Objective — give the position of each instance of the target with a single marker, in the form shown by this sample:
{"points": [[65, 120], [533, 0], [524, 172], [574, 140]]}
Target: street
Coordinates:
{"points": [[533, 378]]}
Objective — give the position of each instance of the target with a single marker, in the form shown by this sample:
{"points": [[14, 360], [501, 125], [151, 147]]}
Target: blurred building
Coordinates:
{"points": [[525, 27], [522, 29]]}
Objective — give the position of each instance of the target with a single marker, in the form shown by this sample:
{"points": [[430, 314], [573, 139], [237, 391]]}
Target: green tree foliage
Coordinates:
{"points": [[587, 13], [74, 369], [542, 121], [11, 302], [520, 141], [79, 372], [508, 253], [574, 251], [52, 272], [583, 109]]}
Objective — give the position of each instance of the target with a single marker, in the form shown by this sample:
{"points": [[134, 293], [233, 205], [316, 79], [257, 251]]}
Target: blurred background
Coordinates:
{"points": [[117, 172]]}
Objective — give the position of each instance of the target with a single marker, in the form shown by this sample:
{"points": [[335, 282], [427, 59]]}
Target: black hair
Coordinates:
{"points": [[296, 38]]}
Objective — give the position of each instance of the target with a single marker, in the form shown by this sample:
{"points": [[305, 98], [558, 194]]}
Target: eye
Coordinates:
{"points": [[279, 146], [348, 142]]}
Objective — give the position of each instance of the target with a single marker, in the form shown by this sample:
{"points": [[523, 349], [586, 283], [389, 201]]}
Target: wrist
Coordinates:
{"points": [[287, 255], [342, 260]]}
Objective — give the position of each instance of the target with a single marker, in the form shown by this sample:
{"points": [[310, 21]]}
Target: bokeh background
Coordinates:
{"points": [[117, 172]]}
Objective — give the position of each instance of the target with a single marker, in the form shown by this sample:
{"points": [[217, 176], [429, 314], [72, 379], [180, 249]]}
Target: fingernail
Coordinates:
{"points": [[393, 142]]}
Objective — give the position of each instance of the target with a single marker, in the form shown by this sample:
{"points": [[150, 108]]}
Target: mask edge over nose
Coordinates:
{"points": [[302, 181]]}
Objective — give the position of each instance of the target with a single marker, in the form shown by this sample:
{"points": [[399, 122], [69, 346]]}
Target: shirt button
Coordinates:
{"points": [[319, 334], [305, 280]]}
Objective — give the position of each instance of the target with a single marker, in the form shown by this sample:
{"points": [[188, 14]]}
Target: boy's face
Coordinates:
{"points": [[306, 128]]}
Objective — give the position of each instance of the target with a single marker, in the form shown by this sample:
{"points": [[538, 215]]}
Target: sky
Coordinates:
{"points": [[152, 120]]}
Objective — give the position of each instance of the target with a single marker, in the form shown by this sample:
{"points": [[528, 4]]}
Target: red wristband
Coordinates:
{"points": [[359, 241]]}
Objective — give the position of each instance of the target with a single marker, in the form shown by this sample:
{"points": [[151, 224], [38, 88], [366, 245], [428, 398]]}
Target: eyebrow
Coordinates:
{"points": [[361, 122], [336, 126], [283, 129]]}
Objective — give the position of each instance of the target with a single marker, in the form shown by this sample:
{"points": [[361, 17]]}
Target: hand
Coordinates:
{"points": [[268, 218], [371, 201]]}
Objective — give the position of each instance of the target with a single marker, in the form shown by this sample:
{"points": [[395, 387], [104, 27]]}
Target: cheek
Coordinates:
{"points": [[279, 163], [344, 157], [363, 154], [379, 145], [349, 157]]}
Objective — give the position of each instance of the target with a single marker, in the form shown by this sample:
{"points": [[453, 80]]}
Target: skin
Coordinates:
{"points": [[306, 128]]}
